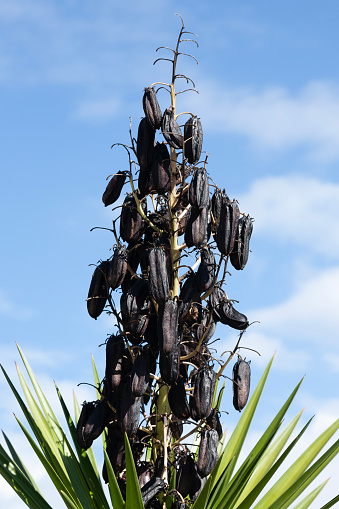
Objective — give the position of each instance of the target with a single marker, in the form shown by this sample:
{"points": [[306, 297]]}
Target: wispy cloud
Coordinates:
{"points": [[275, 117]]}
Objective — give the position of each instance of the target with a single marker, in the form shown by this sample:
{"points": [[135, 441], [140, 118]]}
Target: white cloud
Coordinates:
{"points": [[295, 209], [100, 109], [274, 117]]}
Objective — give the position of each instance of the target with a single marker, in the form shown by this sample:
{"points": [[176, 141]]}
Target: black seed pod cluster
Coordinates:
{"points": [[160, 372]]}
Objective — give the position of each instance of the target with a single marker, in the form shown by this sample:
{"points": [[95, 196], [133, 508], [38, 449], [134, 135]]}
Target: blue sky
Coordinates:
{"points": [[71, 75]]}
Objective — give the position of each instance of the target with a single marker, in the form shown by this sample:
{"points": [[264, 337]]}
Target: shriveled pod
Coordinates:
{"points": [[185, 475], [182, 218], [230, 316], [144, 472], [138, 443], [178, 400], [151, 108], [206, 271], [95, 422], [197, 485], [171, 130], [114, 353], [145, 182], [198, 193], [132, 224], [151, 489], [208, 452], [169, 365], [239, 255], [198, 229], [140, 374], [218, 199], [114, 187], [158, 277], [82, 439], [202, 397], [97, 293], [206, 328], [241, 384], [193, 139], [188, 294], [228, 227], [176, 428], [129, 410], [145, 144], [117, 267], [168, 325], [161, 169], [136, 299]]}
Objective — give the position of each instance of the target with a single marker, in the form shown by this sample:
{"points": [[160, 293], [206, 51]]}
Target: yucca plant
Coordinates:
{"points": [[161, 352]]}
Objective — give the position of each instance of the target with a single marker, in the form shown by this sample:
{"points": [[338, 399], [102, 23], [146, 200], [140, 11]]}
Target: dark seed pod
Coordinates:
{"points": [[197, 485], [151, 108], [145, 182], [145, 472], [86, 411], [217, 298], [185, 475], [129, 411], [161, 169], [206, 271], [138, 443], [213, 422], [158, 277], [114, 187], [206, 328], [169, 366], [230, 316], [177, 429], [201, 400], [151, 489], [171, 130], [97, 293], [208, 452], [193, 139], [96, 422], [241, 384], [189, 293], [140, 374], [145, 144], [218, 199], [198, 230], [132, 224], [198, 193], [117, 267], [115, 449], [239, 255], [168, 326], [178, 400], [228, 227], [114, 354], [135, 300], [183, 218]]}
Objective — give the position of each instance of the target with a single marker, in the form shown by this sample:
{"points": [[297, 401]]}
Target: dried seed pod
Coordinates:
{"points": [[114, 353], [145, 182], [185, 475], [151, 107], [97, 293], [198, 193], [213, 422], [96, 415], [241, 384], [202, 397], [168, 325], [208, 452], [145, 144], [239, 255], [177, 429], [206, 271], [198, 230], [171, 130], [197, 485], [138, 443], [132, 224], [129, 410], [218, 199], [117, 267], [115, 449], [114, 187], [158, 277], [178, 400], [206, 328], [193, 139], [145, 472], [188, 294], [151, 489], [230, 316], [140, 374], [182, 218], [82, 439], [169, 366], [135, 300], [161, 169], [228, 226]]}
